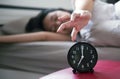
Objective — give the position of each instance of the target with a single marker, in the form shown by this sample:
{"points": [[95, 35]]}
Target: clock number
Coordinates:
{"points": [[93, 56], [91, 52], [91, 61], [77, 48], [88, 65], [82, 66], [74, 62], [74, 52], [87, 48]]}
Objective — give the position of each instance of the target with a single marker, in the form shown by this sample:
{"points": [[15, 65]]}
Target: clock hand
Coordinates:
{"points": [[82, 47], [82, 56]]}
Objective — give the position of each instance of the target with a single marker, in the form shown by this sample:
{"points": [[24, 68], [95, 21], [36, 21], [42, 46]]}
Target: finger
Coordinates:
{"points": [[74, 16], [64, 18], [74, 34], [87, 14], [65, 25]]}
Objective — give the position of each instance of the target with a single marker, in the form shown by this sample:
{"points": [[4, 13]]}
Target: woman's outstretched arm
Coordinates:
{"points": [[37, 36], [79, 18]]}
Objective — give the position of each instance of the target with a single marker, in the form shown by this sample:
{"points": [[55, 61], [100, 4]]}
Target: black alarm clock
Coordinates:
{"points": [[82, 57]]}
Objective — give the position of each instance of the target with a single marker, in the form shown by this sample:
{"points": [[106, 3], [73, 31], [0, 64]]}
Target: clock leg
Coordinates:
{"points": [[74, 71], [91, 70]]}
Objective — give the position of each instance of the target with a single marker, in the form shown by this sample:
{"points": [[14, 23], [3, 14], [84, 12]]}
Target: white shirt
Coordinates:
{"points": [[101, 11]]}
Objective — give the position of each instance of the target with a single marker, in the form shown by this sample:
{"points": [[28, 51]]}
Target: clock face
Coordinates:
{"points": [[82, 57]]}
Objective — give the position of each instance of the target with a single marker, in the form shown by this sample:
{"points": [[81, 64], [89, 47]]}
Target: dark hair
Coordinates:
{"points": [[36, 23]]}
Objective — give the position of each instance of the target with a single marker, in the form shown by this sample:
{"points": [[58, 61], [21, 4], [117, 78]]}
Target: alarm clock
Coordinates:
{"points": [[82, 57]]}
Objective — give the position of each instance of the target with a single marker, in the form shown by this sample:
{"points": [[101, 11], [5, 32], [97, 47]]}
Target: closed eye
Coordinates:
{"points": [[54, 18]]}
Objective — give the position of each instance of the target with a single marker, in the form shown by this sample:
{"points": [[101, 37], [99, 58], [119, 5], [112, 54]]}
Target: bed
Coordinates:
{"points": [[37, 59], [34, 60]]}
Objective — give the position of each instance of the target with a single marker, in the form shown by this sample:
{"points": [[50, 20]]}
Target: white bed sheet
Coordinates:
{"points": [[42, 58]]}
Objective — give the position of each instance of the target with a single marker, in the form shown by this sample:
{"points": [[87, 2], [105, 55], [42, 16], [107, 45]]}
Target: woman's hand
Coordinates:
{"points": [[77, 21]]}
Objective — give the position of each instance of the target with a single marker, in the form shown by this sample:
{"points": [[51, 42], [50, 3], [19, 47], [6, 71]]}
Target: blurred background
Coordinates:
{"points": [[8, 14]]}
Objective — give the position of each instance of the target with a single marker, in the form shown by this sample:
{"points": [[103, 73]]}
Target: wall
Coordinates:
{"points": [[7, 15]]}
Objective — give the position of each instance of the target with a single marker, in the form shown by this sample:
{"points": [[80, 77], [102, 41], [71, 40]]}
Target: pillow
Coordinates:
{"points": [[16, 26]]}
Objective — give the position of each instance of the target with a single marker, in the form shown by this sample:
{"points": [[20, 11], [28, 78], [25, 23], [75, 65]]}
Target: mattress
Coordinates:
{"points": [[42, 58]]}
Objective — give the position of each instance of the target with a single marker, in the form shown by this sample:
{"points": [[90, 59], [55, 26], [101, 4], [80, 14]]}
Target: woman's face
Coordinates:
{"points": [[51, 22]]}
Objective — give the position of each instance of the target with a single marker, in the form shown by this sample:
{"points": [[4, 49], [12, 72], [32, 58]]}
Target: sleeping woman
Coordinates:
{"points": [[42, 27]]}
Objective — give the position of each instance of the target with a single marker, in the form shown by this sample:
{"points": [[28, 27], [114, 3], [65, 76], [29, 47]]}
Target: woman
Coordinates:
{"points": [[44, 26]]}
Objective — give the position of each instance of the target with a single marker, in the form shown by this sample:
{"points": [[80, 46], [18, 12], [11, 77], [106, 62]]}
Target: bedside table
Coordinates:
{"points": [[104, 69]]}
